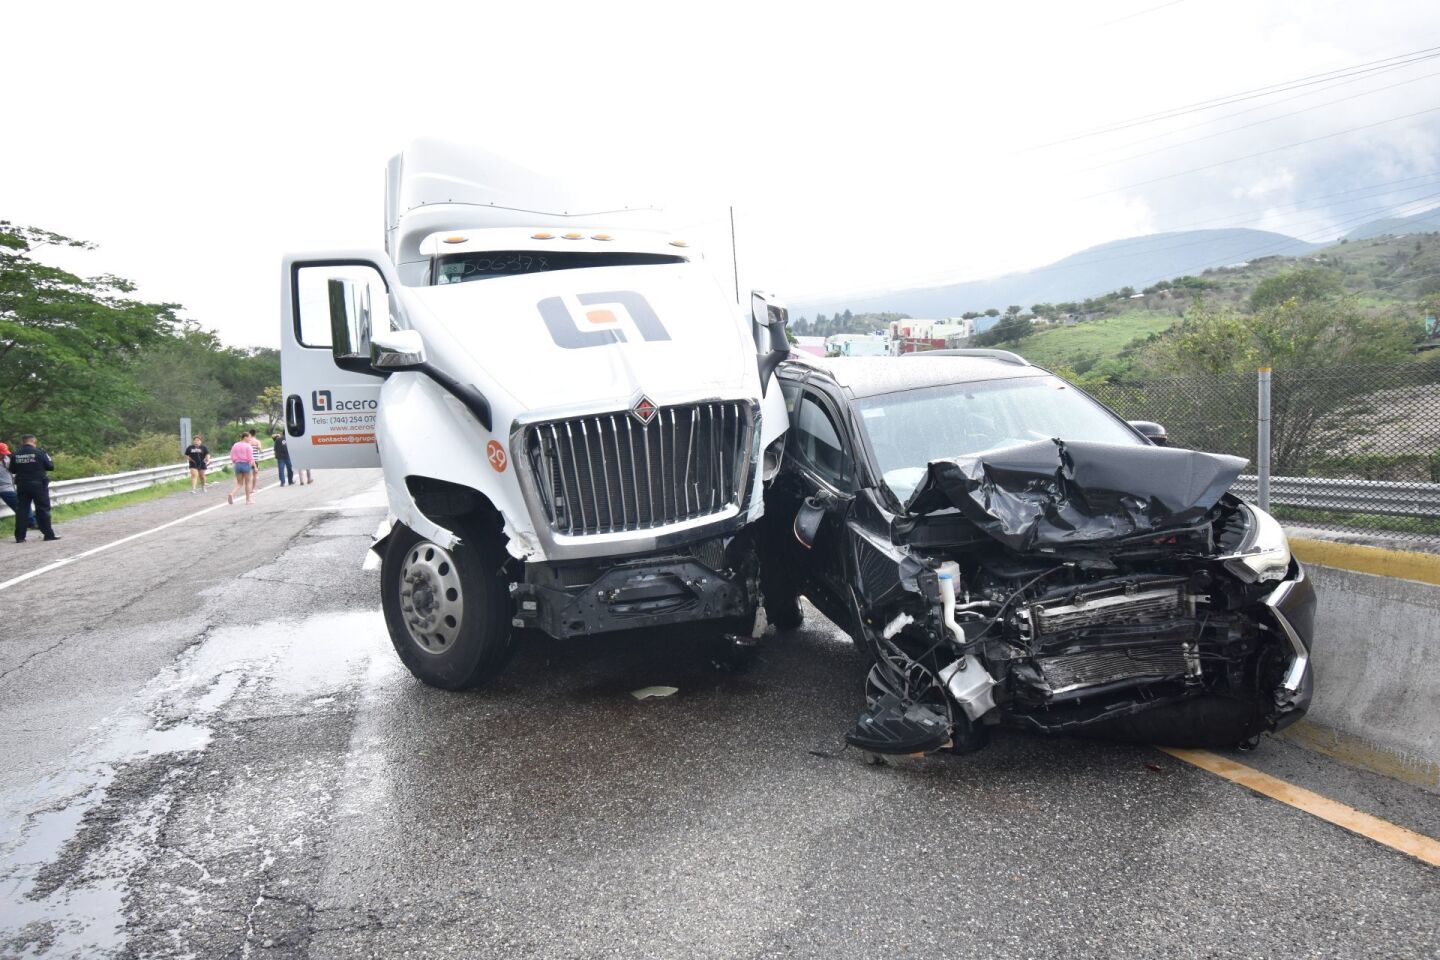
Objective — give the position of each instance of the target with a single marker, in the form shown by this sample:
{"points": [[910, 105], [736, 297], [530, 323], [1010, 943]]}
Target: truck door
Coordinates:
{"points": [[329, 306]]}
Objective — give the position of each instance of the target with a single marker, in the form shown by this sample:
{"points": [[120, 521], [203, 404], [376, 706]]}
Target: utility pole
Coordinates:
{"points": [[1262, 453]]}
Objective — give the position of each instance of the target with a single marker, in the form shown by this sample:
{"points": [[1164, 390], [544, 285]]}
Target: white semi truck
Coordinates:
{"points": [[575, 422]]}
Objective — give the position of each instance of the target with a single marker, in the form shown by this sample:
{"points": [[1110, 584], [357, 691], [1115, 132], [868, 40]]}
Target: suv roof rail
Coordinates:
{"points": [[1004, 356]]}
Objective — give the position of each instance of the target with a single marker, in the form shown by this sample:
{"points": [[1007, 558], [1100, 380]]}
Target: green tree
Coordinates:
{"points": [[1011, 329], [272, 398], [65, 344], [1319, 350], [1313, 283]]}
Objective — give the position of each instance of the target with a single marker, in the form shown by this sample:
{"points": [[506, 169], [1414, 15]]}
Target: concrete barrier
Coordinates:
{"points": [[1376, 658]]}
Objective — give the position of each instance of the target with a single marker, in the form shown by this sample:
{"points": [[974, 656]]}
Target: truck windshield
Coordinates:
{"points": [[464, 267], [910, 428]]}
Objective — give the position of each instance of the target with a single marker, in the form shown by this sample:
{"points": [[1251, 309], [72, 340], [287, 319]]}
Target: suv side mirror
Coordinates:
{"points": [[770, 318], [397, 350], [1151, 431]]}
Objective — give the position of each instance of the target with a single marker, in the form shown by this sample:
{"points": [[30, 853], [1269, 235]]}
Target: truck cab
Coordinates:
{"points": [[571, 414]]}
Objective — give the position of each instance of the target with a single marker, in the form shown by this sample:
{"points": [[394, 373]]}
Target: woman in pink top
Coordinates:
{"points": [[242, 458]]}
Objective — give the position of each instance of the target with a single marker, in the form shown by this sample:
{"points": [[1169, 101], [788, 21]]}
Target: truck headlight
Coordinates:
{"points": [[1265, 552]]}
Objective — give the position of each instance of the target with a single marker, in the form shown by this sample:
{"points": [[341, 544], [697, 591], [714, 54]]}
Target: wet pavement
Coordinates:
{"points": [[212, 751]]}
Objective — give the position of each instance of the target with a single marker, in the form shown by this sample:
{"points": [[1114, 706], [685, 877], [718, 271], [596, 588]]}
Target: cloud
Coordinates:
{"points": [[861, 146]]}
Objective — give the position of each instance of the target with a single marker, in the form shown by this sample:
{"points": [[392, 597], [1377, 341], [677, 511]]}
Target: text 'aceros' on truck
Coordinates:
{"points": [[1008, 550], [572, 416]]}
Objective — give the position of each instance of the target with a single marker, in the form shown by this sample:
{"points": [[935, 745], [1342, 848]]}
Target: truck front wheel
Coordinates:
{"points": [[447, 611]]}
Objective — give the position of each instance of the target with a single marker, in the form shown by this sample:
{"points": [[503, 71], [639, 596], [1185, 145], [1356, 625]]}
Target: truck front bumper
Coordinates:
{"points": [[570, 601]]}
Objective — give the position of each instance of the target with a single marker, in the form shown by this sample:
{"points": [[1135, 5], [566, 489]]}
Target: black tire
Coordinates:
{"points": [[450, 623], [785, 611], [782, 597]]}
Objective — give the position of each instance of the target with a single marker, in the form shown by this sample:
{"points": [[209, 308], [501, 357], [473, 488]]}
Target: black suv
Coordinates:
{"points": [[1008, 550]]}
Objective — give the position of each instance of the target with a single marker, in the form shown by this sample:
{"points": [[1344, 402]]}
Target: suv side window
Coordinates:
{"points": [[818, 442]]}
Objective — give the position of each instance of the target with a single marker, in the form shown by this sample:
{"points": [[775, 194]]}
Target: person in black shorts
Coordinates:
{"points": [[198, 456]]}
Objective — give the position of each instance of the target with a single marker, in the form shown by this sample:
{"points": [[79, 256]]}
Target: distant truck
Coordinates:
{"points": [[574, 421], [858, 345]]}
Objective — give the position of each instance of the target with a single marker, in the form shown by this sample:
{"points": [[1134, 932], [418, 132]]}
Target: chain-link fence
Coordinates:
{"points": [[1351, 448]]}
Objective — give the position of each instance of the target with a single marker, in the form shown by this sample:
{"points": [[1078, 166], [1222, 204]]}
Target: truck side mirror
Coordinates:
{"points": [[1151, 431], [770, 317], [349, 302], [397, 350]]}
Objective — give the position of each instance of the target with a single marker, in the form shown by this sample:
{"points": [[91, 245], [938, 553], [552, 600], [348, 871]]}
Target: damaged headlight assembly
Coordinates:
{"points": [[1264, 554]]}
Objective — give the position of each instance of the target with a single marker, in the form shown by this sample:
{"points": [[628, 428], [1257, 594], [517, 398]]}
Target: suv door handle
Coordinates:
{"points": [[295, 415]]}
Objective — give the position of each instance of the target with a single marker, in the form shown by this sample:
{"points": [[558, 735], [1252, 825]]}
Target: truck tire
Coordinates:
{"points": [[447, 611], [784, 611], [782, 596]]}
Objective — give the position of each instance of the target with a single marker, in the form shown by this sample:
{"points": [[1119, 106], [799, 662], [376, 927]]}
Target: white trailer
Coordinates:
{"points": [[575, 422]]}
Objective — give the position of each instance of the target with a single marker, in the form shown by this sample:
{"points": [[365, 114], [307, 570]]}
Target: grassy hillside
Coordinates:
{"points": [[1383, 272], [1083, 345]]}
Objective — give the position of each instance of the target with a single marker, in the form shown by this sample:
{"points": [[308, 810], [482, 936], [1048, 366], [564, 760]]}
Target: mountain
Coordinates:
{"points": [[1133, 262], [1426, 221]]}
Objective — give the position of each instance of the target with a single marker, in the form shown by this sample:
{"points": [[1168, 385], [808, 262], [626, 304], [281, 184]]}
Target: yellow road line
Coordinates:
{"points": [[1405, 564], [1417, 845]]}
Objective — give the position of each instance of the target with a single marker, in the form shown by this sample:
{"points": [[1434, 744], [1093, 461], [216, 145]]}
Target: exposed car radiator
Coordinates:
{"points": [[609, 473], [1072, 670], [1148, 602]]}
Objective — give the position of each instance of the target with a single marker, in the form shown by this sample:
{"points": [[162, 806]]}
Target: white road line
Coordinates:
{"points": [[101, 549]]}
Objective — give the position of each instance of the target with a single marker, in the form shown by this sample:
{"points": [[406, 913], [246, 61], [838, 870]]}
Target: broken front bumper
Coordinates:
{"points": [[570, 601], [1292, 606]]}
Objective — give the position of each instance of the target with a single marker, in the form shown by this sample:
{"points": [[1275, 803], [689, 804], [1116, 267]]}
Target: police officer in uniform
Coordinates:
{"points": [[31, 466]]}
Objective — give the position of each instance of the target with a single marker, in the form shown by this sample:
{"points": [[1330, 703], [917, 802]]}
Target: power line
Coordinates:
{"points": [[1261, 153], [1241, 113], [1268, 248], [1237, 221], [1375, 66], [1247, 126]]}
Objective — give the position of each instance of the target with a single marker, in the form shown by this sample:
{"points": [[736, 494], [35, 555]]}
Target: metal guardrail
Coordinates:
{"points": [[93, 488], [1390, 498]]}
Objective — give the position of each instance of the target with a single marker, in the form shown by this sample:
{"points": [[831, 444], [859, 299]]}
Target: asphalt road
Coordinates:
{"points": [[210, 750]]}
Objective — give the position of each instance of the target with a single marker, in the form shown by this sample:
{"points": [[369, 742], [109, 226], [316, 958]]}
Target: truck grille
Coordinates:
{"points": [[609, 473], [1069, 671]]}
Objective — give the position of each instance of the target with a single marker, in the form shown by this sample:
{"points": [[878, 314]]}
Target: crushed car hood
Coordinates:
{"points": [[1054, 492]]}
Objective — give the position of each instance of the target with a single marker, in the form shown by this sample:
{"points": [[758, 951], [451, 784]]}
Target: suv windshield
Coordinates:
{"points": [[911, 428], [482, 265]]}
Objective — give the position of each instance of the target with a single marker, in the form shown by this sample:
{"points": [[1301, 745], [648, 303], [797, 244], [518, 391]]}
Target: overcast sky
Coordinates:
{"points": [[862, 145]]}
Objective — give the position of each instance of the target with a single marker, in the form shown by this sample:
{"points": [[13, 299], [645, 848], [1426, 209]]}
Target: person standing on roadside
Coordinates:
{"points": [[282, 458], [7, 487], [255, 473], [31, 466], [242, 458], [198, 456]]}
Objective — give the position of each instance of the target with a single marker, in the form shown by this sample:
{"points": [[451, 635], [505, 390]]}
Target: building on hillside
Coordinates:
{"points": [[815, 346], [858, 344], [910, 336]]}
